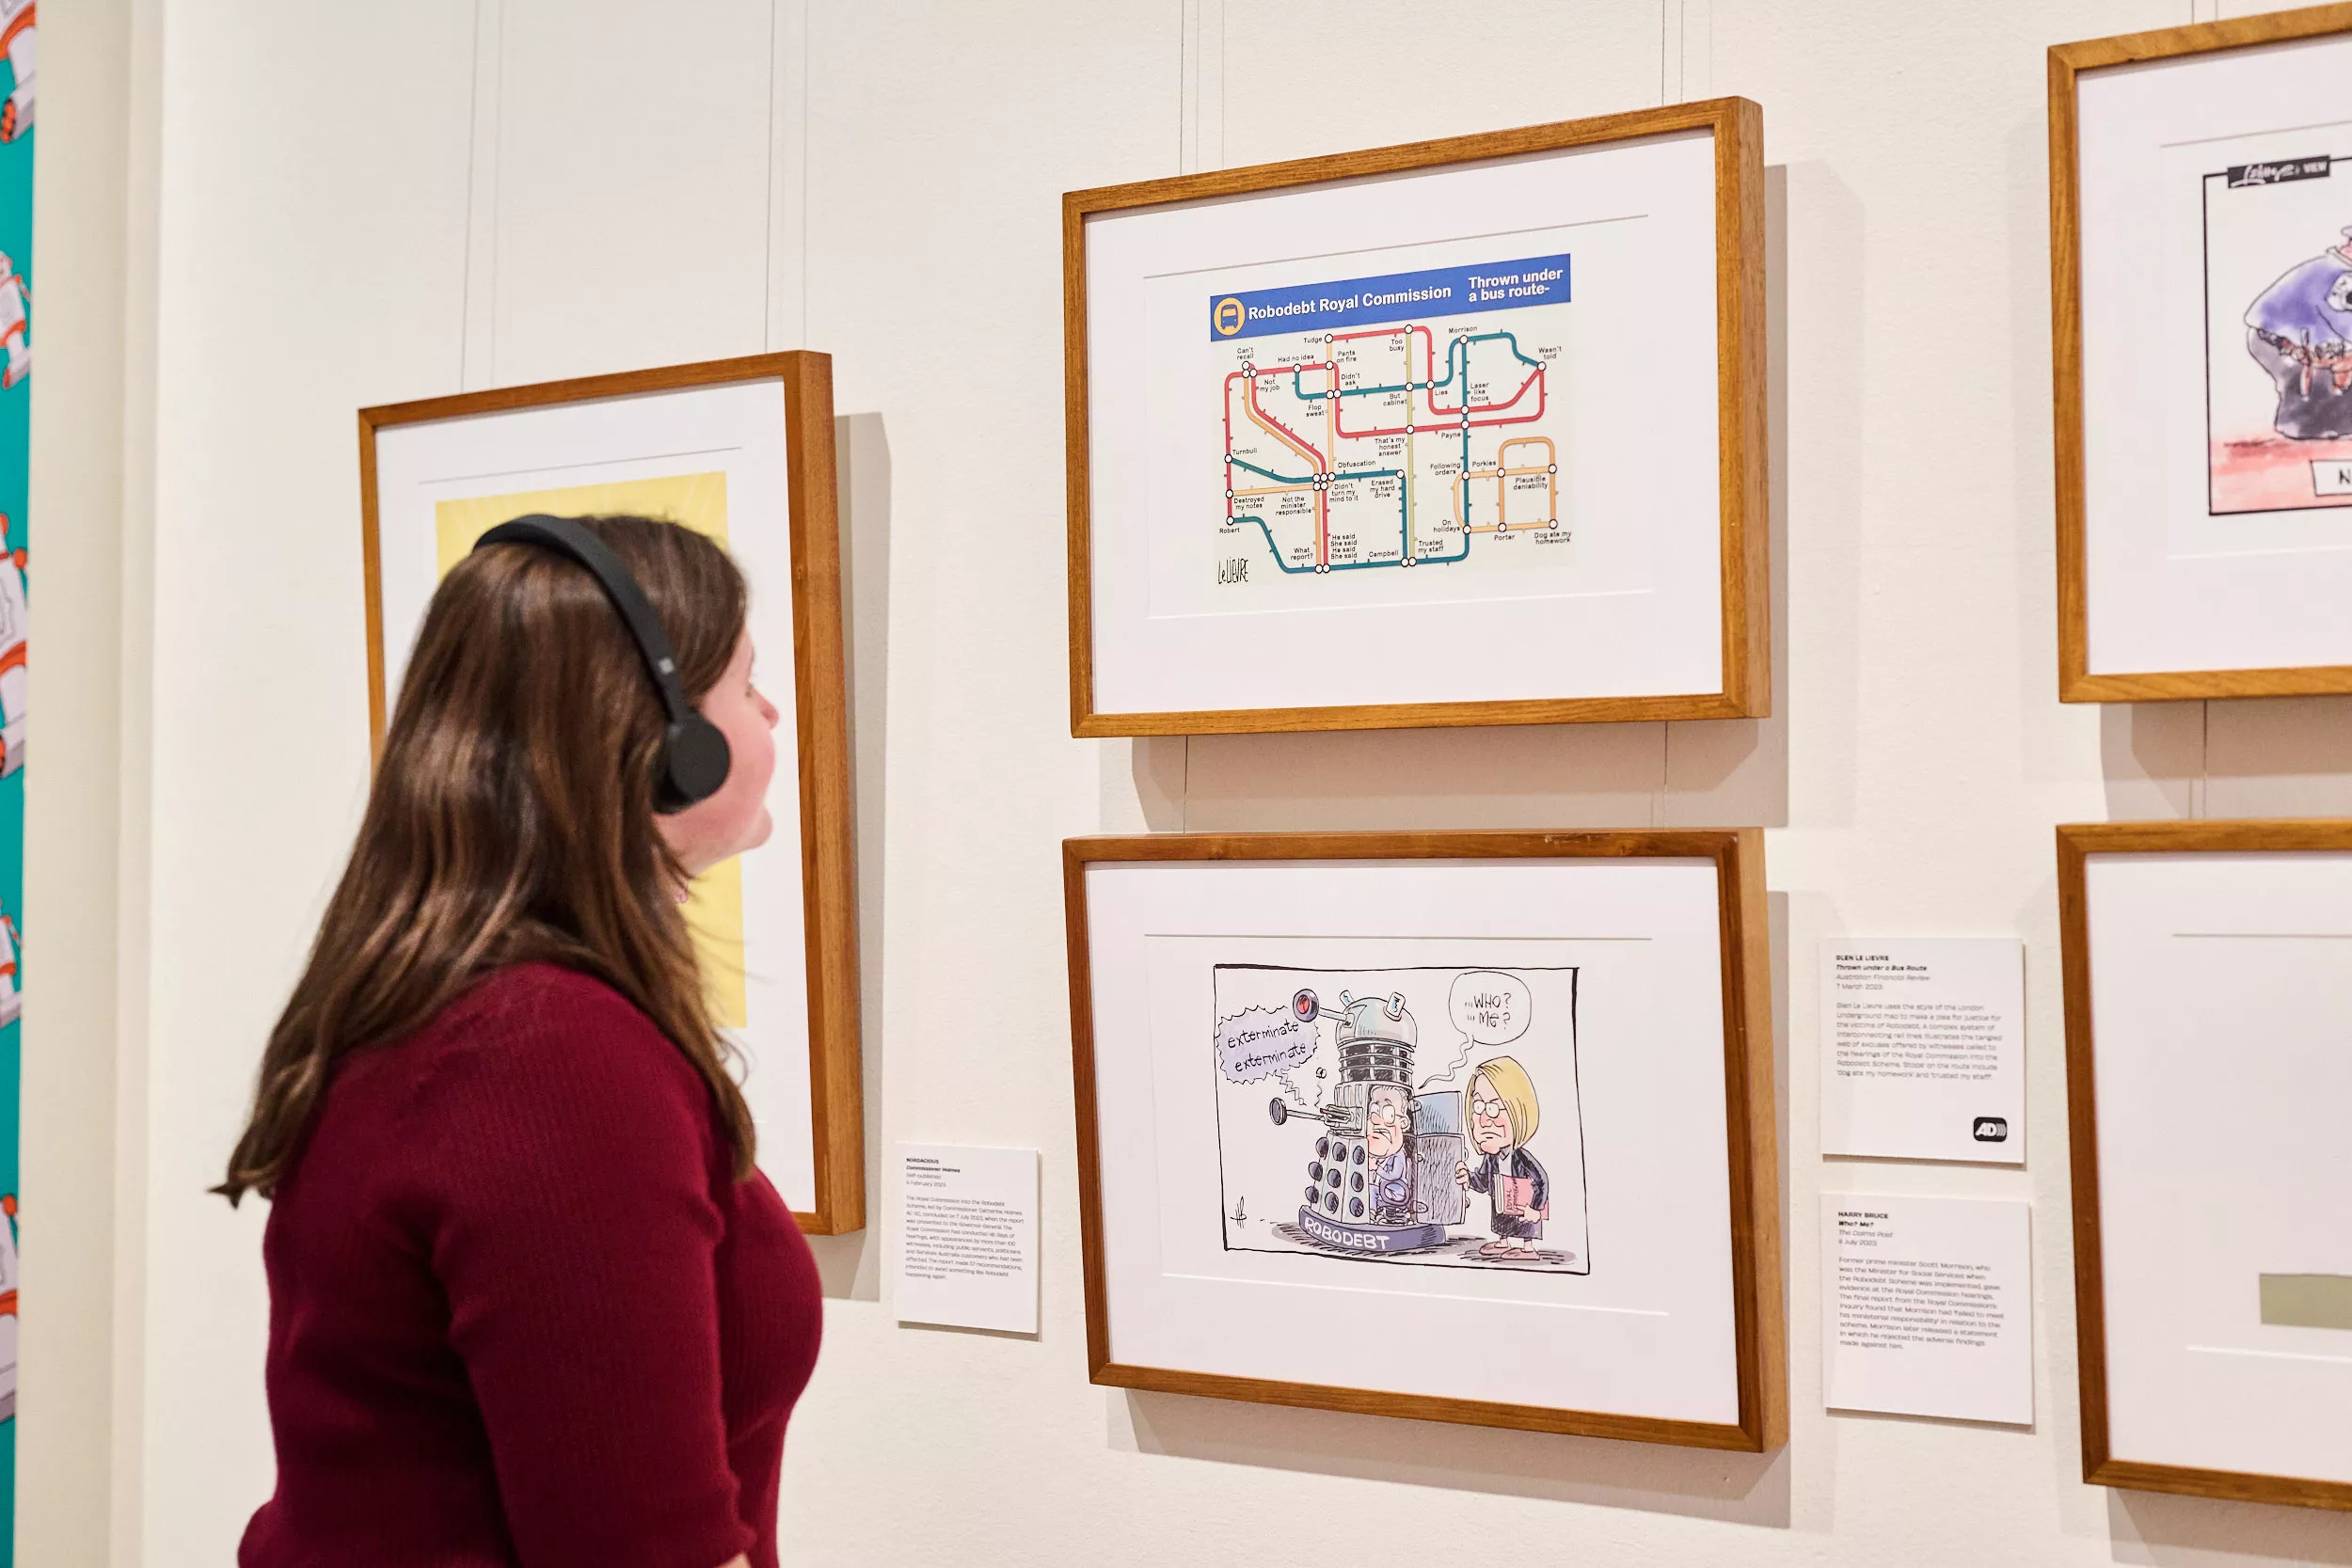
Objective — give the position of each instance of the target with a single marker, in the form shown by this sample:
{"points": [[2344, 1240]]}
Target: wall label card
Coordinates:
{"points": [[1927, 1307], [1923, 1048], [967, 1237]]}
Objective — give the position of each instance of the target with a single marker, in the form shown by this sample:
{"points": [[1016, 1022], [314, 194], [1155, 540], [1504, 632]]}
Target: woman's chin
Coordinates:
{"points": [[761, 832], [720, 853]]}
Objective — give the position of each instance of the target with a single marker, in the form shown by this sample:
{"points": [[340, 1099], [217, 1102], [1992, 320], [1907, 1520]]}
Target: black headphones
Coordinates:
{"points": [[694, 755]]}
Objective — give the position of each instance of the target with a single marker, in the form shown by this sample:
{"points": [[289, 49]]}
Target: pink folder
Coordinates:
{"points": [[1515, 1195]]}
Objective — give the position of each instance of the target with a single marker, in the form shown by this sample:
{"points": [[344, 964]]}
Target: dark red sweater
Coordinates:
{"points": [[520, 1311]]}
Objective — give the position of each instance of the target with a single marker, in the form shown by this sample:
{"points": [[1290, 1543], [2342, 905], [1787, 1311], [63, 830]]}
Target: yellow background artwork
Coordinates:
{"points": [[714, 904]]}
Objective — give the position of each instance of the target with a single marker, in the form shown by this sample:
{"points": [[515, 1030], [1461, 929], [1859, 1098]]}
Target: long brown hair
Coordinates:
{"points": [[511, 820]]}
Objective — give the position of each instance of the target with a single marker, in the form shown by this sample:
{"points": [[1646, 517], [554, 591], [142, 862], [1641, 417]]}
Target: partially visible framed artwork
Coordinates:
{"points": [[741, 450], [1471, 1127], [2208, 979], [1461, 432], [2201, 265]]}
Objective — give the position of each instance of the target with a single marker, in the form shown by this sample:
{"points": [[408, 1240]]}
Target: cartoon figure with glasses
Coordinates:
{"points": [[1388, 1118], [1503, 1120]]}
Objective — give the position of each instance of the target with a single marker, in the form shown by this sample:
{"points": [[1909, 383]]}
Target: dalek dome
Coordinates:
{"points": [[1377, 1038], [1379, 1017]]}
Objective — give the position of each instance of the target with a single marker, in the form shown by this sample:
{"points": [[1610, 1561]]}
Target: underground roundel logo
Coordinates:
{"points": [[1227, 317]]}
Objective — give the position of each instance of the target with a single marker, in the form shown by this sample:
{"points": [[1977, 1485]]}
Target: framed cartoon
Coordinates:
{"points": [[1462, 432], [1471, 1127], [2208, 978], [2201, 223], [741, 450]]}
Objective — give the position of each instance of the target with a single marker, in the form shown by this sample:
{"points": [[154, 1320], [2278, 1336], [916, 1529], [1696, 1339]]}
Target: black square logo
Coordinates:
{"points": [[1992, 1129]]}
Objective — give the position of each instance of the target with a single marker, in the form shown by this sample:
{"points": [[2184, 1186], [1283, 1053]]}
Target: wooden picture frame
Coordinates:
{"points": [[2069, 64], [2078, 846], [1741, 498], [819, 704], [1740, 946]]}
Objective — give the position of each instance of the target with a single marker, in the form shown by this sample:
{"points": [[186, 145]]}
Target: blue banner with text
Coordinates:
{"points": [[1394, 296]]}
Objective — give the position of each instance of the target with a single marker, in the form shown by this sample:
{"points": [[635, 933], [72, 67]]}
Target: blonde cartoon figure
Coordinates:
{"points": [[1503, 1116]]}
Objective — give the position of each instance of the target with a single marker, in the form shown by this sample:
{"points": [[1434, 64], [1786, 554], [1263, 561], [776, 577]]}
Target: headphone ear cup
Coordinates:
{"points": [[694, 760]]}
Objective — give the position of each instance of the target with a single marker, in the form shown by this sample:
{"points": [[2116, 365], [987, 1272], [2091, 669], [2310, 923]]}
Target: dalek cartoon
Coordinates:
{"points": [[1380, 1177]]}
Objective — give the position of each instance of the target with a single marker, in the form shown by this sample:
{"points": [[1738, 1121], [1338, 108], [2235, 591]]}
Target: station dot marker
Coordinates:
{"points": [[1229, 494], [1502, 528], [1553, 469]]}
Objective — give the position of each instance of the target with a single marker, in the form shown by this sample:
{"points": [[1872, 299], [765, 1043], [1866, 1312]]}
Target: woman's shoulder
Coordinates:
{"points": [[537, 984], [529, 1000], [536, 1072], [542, 1025]]}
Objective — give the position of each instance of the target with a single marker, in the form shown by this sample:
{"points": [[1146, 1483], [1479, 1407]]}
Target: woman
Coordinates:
{"points": [[530, 1302], [1503, 1119]]}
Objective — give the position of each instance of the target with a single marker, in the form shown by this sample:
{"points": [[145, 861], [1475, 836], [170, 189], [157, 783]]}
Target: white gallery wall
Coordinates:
{"points": [[331, 205]]}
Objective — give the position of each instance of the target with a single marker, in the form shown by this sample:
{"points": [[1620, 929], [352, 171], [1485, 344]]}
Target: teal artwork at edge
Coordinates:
{"points": [[16, 274]]}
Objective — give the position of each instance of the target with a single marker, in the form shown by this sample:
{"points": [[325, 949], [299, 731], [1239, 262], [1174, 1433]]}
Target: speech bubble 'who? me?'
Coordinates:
{"points": [[1490, 1007]]}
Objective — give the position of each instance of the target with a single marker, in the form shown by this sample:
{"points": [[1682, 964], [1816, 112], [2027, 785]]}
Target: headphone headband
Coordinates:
{"points": [[694, 754]]}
